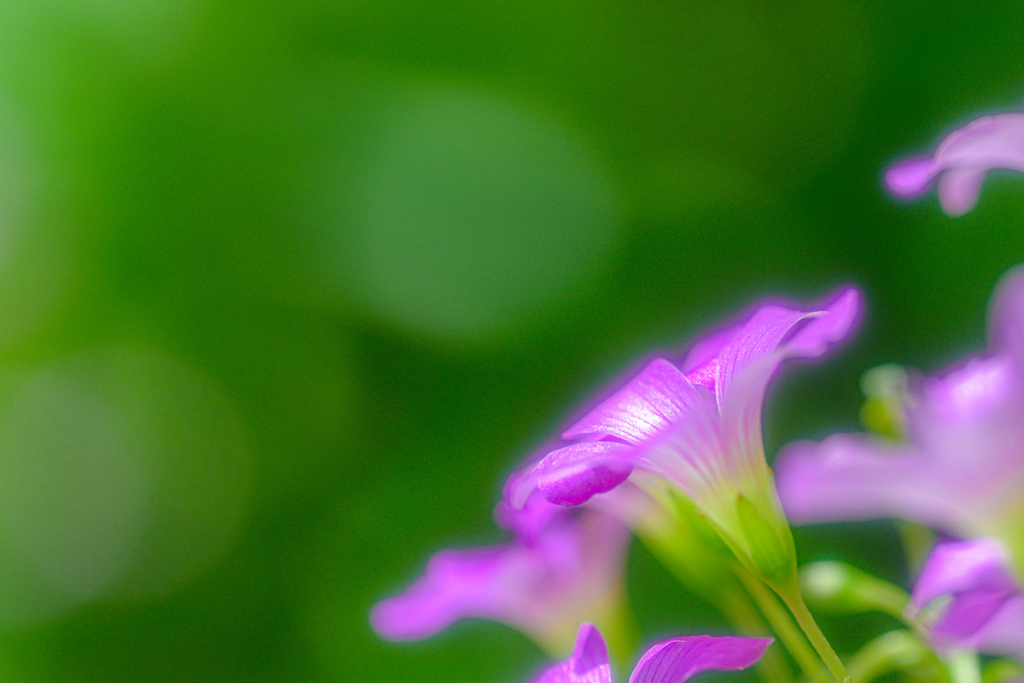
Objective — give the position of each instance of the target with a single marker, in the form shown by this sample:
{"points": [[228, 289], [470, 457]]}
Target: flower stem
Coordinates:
{"points": [[745, 617], [790, 594], [788, 632], [964, 667], [894, 651]]}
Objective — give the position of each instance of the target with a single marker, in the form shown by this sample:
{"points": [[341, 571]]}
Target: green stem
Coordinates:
{"points": [[964, 667], [744, 616], [790, 594], [792, 639], [893, 651], [731, 599]]}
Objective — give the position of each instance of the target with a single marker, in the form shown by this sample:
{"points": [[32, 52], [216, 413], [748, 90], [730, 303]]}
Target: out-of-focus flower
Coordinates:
{"points": [[960, 467], [671, 661], [961, 162], [696, 429], [560, 568], [978, 604]]}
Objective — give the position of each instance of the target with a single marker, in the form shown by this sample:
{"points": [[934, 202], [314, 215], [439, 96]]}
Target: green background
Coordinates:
{"points": [[287, 289]]}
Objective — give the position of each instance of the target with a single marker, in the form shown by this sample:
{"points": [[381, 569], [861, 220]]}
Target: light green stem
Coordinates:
{"points": [[893, 651], [788, 632], [790, 594], [964, 667], [744, 616]]}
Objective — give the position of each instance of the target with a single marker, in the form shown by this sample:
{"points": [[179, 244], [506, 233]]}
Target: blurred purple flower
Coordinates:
{"points": [[671, 661], [961, 162], [561, 567], [697, 428], [982, 608], [959, 469]]}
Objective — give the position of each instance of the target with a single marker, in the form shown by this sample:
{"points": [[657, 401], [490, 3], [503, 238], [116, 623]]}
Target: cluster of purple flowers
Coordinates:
{"points": [[675, 455]]}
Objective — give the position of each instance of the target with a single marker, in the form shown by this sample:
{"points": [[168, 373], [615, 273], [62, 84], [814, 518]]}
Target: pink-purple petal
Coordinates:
{"points": [[647, 406], [961, 566], [975, 574], [1006, 316], [910, 178], [456, 583], [543, 584], [819, 333], [532, 516], [588, 663], [959, 189], [962, 161], [984, 608], [671, 661], [851, 477], [1004, 632], [758, 338], [995, 141], [704, 353], [679, 659], [575, 474]]}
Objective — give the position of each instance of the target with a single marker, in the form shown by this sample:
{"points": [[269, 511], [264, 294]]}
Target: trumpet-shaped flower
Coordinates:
{"points": [[696, 428], [961, 162], [561, 567], [671, 661], [960, 467], [979, 605]]}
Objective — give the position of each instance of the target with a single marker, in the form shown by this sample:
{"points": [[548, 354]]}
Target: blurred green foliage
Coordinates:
{"points": [[286, 288]]}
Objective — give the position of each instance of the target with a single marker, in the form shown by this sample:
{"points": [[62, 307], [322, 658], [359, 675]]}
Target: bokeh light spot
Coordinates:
{"points": [[473, 212], [123, 472], [72, 497]]}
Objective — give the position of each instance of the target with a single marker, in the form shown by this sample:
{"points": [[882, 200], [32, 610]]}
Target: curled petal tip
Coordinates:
{"points": [[575, 474]]}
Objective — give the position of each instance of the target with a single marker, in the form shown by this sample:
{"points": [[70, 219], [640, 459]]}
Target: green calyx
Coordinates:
{"points": [[770, 546]]}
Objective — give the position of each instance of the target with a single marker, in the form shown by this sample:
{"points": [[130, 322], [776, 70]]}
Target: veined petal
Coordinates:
{"points": [[588, 663], [679, 659], [672, 661], [757, 339], [821, 332], [701, 363], [647, 406], [811, 335], [574, 474], [815, 333], [692, 457]]}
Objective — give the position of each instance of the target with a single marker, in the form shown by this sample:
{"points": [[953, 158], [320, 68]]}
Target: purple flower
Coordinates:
{"points": [[979, 605], [960, 466], [696, 428], [961, 162], [560, 567], [671, 661]]}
